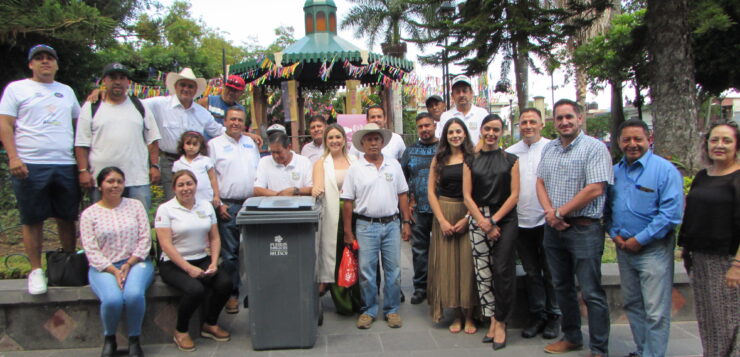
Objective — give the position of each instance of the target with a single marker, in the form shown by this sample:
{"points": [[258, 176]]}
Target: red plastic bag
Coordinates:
{"points": [[348, 267]]}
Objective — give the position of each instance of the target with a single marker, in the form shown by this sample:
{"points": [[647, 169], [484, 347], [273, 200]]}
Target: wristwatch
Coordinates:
{"points": [[493, 222], [83, 170], [408, 221], [154, 166], [296, 191], [557, 214]]}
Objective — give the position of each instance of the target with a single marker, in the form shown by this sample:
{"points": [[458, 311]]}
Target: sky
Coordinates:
{"points": [[240, 20]]}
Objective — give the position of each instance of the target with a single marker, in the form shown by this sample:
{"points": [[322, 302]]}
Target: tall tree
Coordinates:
{"points": [[76, 28], [388, 20], [513, 29], [672, 84]]}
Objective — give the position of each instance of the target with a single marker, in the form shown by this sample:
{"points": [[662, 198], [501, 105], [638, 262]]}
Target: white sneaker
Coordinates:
{"points": [[36, 282]]}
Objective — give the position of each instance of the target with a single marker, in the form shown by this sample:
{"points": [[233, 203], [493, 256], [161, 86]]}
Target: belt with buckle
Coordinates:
{"points": [[173, 157], [581, 221], [386, 219]]}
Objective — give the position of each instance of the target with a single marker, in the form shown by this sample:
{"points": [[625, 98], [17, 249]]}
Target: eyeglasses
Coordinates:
{"points": [[235, 84]]}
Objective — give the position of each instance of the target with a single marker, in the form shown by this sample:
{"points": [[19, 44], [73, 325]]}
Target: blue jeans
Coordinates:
{"points": [[229, 232], [142, 193], [421, 232], [113, 299], [647, 284], [383, 238], [576, 252]]}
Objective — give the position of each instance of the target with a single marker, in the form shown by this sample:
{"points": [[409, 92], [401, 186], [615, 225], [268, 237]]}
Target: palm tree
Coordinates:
{"points": [[388, 20], [600, 23]]}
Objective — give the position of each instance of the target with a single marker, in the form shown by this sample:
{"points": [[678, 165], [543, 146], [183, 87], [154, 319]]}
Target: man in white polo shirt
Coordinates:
{"points": [[235, 157], [284, 173], [36, 116], [377, 189], [394, 147], [462, 95]]}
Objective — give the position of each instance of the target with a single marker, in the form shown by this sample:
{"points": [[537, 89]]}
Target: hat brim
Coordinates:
{"points": [[358, 135], [173, 77]]}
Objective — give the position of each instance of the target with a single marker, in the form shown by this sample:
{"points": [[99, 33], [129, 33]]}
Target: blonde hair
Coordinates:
{"points": [[340, 129]]}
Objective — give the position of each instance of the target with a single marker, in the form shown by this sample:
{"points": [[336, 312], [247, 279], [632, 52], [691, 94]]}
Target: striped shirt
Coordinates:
{"points": [[567, 170]]}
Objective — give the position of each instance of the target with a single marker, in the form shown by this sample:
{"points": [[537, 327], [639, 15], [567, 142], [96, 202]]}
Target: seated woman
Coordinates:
{"points": [[116, 238], [185, 227]]}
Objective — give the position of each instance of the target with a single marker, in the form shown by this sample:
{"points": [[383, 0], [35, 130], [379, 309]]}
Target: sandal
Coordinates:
{"points": [[470, 327], [456, 326]]}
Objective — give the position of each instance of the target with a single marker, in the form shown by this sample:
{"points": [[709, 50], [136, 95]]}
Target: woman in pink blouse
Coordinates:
{"points": [[116, 237]]}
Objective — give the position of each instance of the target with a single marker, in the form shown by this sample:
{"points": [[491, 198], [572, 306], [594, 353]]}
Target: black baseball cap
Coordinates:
{"points": [[42, 48], [435, 98], [116, 67]]}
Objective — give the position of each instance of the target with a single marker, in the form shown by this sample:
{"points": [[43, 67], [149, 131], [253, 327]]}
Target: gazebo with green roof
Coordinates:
{"points": [[320, 48]]}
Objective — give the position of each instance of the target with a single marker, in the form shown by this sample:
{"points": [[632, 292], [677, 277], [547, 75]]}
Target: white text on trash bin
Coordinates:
{"points": [[278, 247]]}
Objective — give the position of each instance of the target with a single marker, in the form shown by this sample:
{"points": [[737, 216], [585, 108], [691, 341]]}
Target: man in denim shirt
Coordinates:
{"points": [[645, 205], [415, 163]]}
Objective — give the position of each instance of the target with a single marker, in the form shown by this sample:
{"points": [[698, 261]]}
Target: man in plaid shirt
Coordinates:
{"points": [[571, 187]]}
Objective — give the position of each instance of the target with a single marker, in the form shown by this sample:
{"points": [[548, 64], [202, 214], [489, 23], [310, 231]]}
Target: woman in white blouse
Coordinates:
{"points": [[187, 232], [116, 238], [328, 176]]}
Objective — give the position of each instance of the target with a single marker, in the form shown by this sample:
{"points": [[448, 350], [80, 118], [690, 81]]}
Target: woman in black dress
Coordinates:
{"points": [[710, 237], [490, 192]]}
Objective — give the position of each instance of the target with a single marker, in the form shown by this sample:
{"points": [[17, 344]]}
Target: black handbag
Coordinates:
{"points": [[66, 269]]}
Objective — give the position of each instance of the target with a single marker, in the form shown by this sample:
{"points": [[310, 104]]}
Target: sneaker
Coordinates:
{"points": [[364, 321], [36, 282], [232, 305], [562, 346], [394, 320], [184, 342], [215, 333]]}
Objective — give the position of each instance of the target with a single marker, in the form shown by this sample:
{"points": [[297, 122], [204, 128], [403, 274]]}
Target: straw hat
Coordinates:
{"points": [[186, 73], [367, 129]]}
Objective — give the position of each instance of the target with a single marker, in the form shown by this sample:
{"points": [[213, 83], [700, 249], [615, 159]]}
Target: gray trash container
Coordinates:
{"points": [[279, 249]]}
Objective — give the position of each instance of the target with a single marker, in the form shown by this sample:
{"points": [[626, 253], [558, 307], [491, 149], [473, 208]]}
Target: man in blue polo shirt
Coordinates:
{"points": [[645, 205]]}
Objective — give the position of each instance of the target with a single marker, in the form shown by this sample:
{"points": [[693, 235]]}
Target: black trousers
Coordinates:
{"points": [[495, 267], [540, 291], [211, 292]]}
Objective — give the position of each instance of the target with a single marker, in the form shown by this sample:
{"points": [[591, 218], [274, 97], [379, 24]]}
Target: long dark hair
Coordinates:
{"points": [[444, 150]]}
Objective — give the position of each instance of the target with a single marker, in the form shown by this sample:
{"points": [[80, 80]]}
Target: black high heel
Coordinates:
{"points": [[496, 345]]}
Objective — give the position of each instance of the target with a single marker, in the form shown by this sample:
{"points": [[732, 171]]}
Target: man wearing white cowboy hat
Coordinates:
{"points": [[176, 114], [462, 95], [375, 192]]}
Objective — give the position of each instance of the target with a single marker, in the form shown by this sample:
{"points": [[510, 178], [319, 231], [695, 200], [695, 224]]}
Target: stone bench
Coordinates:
{"points": [[69, 317]]}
